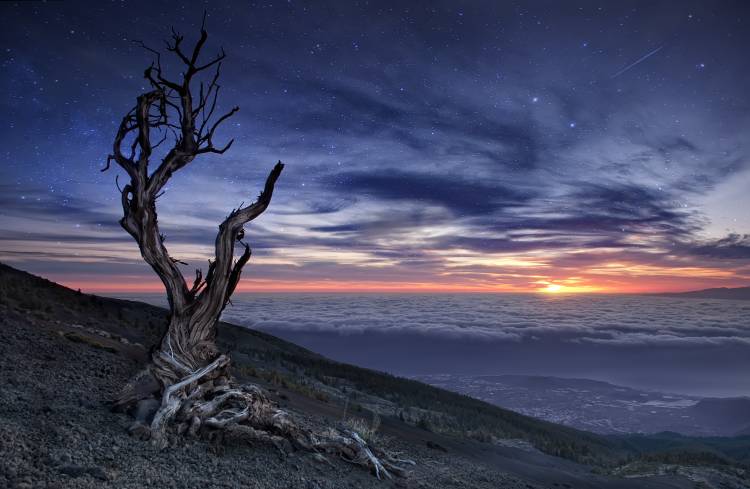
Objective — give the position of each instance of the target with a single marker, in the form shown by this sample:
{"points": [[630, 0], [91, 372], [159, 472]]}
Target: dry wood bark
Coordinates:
{"points": [[187, 374]]}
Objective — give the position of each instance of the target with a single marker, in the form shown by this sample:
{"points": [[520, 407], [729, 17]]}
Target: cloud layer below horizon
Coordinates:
{"points": [[665, 343]]}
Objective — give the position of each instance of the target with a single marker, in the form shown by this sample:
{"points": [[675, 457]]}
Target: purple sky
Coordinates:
{"points": [[558, 146]]}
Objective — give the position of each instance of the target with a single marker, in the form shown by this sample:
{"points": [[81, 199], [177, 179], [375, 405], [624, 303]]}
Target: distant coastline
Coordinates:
{"points": [[733, 293]]}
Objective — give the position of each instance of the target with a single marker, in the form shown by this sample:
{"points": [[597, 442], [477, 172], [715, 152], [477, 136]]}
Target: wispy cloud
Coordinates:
{"points": [[409, 162]]}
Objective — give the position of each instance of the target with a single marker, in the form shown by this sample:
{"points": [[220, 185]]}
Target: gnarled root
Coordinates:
{"points": [[206, 403], [352, 448]]}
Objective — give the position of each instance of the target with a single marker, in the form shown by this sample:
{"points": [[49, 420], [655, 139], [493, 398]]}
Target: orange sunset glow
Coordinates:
{"points": [[375, 244], [592, 281], [503, 177]]}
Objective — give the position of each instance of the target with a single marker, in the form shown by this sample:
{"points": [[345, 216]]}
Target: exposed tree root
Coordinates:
{"points": [[197, 395], [206, 403]]}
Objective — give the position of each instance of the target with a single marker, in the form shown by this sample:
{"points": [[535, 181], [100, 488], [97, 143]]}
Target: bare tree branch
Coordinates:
{"points": [[169, 108], [224, 275], [197, 391]]}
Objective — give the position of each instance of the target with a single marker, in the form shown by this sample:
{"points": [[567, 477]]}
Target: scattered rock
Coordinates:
{"points": [[436, 446], [73, 470], [79, 471], [57, 433], [145, 410]]}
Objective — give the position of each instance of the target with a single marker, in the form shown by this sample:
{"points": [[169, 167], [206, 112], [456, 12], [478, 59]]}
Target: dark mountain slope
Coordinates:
{"points": [[736, 293], [434, 408], [64, 354]]}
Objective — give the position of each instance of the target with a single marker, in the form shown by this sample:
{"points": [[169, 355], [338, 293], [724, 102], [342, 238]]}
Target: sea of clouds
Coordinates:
{"points": [[602, 319], [690, 346]]}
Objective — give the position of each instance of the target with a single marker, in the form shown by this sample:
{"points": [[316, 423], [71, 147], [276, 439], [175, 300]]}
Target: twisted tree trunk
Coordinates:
{"points": [[188, 379]]}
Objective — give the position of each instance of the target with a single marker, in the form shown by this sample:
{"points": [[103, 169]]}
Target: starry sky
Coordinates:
{"points": [[430, 146]]}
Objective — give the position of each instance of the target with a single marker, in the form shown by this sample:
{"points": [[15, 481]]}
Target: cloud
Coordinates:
{"points": [[459, 195], [732, 247], [404, 155], [601, 320], [43, 207], [665, 340]]}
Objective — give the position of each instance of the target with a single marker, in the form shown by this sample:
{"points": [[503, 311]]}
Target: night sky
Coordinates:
{"points": [[509, 146]]}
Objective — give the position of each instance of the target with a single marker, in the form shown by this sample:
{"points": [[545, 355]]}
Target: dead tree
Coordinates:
{"points": [[187, 376]]}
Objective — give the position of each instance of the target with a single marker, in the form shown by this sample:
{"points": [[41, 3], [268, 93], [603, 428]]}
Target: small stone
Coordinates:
{"points": [[73, 470], [87, 403], [80, 471], [98, 473], [140, 431], [145, 410]]}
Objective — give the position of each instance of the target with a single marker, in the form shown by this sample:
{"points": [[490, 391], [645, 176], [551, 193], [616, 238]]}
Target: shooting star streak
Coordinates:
{"points": [[639, 60]]}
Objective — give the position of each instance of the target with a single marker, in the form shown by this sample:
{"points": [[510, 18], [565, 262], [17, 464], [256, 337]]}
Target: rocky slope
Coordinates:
{"points": [[64, 354], [57, 431]]}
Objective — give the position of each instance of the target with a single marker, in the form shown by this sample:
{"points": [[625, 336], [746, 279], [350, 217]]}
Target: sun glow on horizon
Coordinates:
{"points": [[575, 285], [553, 289], [452, 283]]}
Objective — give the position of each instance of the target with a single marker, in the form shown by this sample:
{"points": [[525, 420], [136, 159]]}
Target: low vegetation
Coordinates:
{"points": [[673, 448]]}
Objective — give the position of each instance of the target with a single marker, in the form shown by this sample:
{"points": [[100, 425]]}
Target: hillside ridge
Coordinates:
{"points": [[70, 337], [730, 293]]}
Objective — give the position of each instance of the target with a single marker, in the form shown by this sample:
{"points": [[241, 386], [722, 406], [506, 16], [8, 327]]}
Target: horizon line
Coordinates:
{"points": [[134, 285], [392, 288]]}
